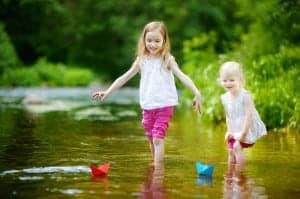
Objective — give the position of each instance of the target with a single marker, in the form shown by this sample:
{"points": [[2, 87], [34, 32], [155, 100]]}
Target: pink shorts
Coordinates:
{"points": [[231, 141], [156, 121]]}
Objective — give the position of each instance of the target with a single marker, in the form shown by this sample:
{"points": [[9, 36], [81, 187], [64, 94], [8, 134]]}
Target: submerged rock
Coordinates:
{"points": [[33, 99], [95, 114], [54, 105]]}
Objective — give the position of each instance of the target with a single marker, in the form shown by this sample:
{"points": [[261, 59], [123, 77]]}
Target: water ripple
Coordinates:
{"points": [[50, 169]]}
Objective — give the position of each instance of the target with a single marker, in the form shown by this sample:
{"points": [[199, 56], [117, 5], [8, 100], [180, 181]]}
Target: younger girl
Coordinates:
{"points": [[158, 94], [244, 125]]}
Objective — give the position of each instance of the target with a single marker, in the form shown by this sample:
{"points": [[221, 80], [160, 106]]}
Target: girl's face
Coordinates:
{"points": [[154, 42], [231, 83]]}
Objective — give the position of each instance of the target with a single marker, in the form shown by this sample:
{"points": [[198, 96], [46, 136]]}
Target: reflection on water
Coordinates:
{"points": [[153, 186], [45, 152], [204, 180], [21, 138], [53, 169], [238, 185], [103, 181]]}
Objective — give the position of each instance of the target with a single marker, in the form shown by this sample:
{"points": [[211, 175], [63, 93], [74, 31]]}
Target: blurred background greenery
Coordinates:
{"points": [[94, 41]]}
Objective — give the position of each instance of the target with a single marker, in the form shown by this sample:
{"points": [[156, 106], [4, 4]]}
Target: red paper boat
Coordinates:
{"points": [[101, 170]]}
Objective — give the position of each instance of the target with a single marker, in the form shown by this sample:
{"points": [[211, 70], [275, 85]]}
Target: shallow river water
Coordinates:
{"points": [[46, 148]]}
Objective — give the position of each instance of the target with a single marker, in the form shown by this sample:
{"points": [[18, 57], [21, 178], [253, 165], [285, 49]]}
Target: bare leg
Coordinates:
{"points": [[159, 151], [239, 155], [231, 157], [231, 165], [230, 170], [152, 150], [228, 179]]}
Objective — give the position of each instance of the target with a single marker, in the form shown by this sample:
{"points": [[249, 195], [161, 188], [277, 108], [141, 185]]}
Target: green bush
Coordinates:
{"points": [[20, 77], [44, 73], [8, 56], [77, 77], [273, 80], [269, 52], [201, 63]]}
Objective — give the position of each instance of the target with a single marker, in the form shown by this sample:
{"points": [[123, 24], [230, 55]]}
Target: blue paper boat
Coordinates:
{"points": [[204, 169]]}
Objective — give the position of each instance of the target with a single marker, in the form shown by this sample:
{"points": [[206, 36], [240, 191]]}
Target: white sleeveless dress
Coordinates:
{"points": [[236, 114], [157, 85]]}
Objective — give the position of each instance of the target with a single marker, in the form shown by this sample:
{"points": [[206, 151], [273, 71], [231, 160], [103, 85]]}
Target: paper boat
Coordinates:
{"points": [[101, 170], [204, 169]]}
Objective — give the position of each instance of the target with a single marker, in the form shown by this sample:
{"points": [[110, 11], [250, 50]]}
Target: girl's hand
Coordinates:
{"points": [[100, 95], [197, 104], [241, 137], [228, 135]]}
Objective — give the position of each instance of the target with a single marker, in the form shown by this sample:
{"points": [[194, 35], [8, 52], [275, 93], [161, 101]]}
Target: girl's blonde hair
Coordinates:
{"points": [[152, 26], [232, 68]]}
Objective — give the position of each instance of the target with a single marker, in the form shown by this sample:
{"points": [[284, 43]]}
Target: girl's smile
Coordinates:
{"points": [[154, 42], [231, 84]]}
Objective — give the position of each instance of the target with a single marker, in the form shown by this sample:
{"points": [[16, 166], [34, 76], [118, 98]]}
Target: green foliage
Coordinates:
{"points": [[274, 81], [201, 63], [44, 73], [20, 77], [103, 35], [78, 77], [270, 57], [294, 120], [8, 57]]}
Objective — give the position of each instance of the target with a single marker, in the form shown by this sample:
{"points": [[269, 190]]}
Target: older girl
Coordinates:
{"points": [[158, 94]]}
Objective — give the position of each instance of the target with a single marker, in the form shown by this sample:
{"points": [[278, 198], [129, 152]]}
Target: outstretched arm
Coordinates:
{"points": [[187, 82], [119, 82]]}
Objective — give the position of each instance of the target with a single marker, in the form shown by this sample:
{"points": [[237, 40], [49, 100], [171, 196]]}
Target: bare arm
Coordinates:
{"points": [[187, 82], [119, 82]]}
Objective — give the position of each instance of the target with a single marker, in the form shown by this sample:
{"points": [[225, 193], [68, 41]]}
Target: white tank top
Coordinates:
{"points": [[157, 85]]}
